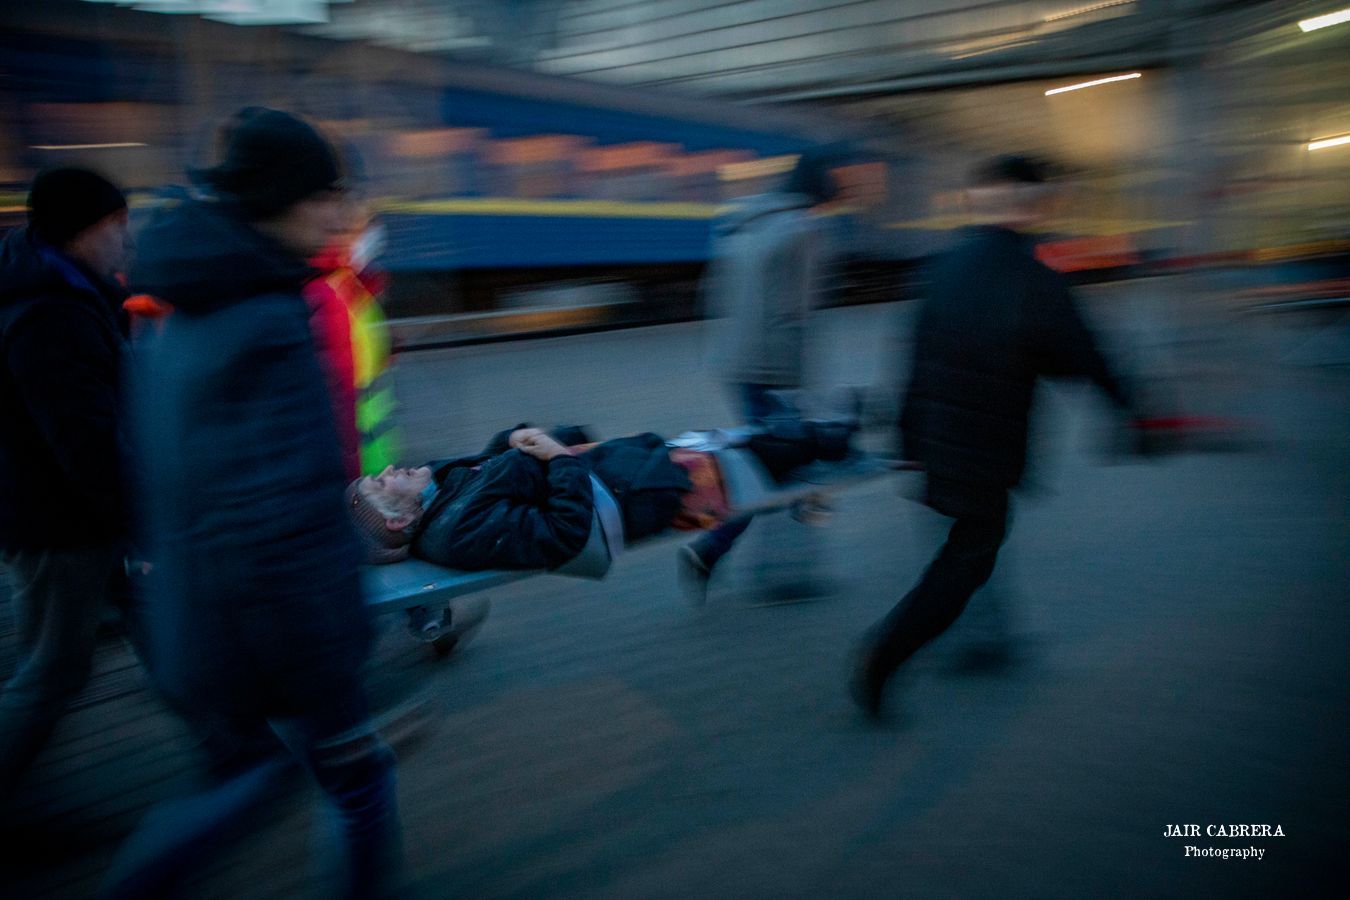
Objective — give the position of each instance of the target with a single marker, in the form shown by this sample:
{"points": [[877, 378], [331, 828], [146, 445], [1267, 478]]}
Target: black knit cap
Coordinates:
{"points": [[272, 160], [811, 175], [63, 202], [1014, 168]]}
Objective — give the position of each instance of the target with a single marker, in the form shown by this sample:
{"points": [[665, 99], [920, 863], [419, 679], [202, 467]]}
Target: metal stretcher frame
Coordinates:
{"points": [[416, 583]]}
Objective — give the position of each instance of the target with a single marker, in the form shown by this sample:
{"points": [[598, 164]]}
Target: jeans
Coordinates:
{"points": [[59, 598], [963, 564], [250, 762], [753, 400]]}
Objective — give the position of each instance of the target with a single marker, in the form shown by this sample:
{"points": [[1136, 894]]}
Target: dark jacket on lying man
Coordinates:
{"points": [[527, 501], [515, 511]]}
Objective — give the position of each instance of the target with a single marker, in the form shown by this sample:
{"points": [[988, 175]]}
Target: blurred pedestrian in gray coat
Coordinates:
{"points": [[764, 279]]}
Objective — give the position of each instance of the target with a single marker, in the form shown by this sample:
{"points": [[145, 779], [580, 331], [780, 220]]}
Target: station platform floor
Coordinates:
{"points": [[1182, 627]]}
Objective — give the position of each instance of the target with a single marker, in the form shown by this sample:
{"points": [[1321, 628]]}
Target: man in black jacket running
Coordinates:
{"points": [[994, 323]]}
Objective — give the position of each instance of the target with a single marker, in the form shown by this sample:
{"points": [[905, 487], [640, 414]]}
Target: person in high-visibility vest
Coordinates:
{"points": [[353, 341]]}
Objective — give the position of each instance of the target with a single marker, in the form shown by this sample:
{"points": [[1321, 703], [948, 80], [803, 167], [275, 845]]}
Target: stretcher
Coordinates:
{"points": [[418, 586]]}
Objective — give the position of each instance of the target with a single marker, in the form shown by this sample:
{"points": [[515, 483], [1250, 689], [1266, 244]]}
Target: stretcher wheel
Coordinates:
{"points": [[444, 639]]}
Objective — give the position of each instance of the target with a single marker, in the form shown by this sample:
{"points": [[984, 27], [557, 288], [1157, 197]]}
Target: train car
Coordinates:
{"points": [[509, 202]]}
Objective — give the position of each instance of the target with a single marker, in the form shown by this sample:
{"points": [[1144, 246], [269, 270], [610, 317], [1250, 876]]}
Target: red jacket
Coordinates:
{"points": [[331, 325]]}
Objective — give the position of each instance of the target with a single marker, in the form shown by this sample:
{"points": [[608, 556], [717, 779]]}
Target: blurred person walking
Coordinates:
{"points": [[765, 277], [994, 323], [353, 342], [254, 608], [63, 520]]}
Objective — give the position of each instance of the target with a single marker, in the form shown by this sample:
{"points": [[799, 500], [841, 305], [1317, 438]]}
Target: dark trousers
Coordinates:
{"points": [[711, 546], [59, 598], [961, 567], [250, 762]]}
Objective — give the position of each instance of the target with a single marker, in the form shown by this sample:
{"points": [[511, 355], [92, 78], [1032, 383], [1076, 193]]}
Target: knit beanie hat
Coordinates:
{"points": [[811, 175], [382, 544], [273, 160], [63, 202], [1012, 168]]}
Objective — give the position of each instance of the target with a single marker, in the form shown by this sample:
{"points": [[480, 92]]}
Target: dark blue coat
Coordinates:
{"points": [[507, 510], [510, 511], [62, 332], [254, 605]]}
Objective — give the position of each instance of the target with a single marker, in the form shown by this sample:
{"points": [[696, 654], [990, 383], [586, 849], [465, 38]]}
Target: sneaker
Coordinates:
{"points": [[814, 510], [460, 624], [405, 723], [693, 574]]}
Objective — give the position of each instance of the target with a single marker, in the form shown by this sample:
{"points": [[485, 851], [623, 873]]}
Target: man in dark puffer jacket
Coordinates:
{"points": [[994, 323], [256, 619], [63, 522]]}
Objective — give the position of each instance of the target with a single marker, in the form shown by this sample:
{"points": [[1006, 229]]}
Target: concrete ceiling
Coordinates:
{"points": [[800, 49], [788, 49]]}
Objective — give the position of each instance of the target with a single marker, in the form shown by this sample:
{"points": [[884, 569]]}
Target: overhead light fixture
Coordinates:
{"points": [[238, 12], [1316, 22], [1082, 10], [87, 146], [1339, 140], [1094, 83]]}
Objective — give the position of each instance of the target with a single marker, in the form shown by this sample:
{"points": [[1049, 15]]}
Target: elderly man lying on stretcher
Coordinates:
{"points": [[528, 501]]}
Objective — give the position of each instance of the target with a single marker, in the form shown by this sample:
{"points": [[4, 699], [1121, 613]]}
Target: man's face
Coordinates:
{"points": [[314, 223], [396, 489], [104, 246]]}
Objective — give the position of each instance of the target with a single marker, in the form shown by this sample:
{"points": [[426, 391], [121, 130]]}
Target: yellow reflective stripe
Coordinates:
{"points": [[370, 344], [510, 206]]}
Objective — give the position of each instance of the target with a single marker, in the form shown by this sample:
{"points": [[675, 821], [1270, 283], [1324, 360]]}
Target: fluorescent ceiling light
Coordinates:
{"points": [[1088, 84], [1085, 9], [238, 12], [1324, 143], [1336, 18], [86, 146]]}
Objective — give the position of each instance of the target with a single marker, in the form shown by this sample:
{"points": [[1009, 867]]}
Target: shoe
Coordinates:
{"points": [[693, 574], [783, 593], [814, 510], [459, 625], [866, 684], [405, 723]]}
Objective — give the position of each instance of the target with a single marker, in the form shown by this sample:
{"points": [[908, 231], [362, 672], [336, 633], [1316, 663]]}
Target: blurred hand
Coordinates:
{"points": [[537, 444], [521, 436], [1137, 437], [1144, 440]]}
